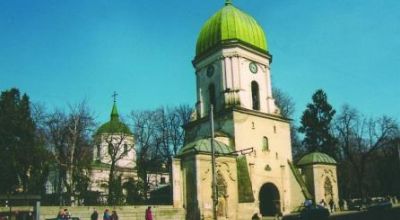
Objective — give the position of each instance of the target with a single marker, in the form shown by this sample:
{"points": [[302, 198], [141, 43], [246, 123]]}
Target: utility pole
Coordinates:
{"points": [[214, 178]]}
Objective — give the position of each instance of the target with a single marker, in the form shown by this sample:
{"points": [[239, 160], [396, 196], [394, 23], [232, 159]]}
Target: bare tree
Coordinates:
{"points": [[119, 143], [287, 107], [69, 137], [170, 130], [159, 135], [145, 130], [284, 102], [359, 137]]}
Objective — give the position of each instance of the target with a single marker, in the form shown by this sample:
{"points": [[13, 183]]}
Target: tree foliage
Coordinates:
{"points": [[22, 156], [316, 125]]}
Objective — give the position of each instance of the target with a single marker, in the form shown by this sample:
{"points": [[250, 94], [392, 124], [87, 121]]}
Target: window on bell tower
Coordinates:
{"points": [[265, 144], [211, 93], [255, 95]]}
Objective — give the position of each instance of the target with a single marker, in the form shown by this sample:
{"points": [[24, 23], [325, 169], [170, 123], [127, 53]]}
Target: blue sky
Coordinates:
{"points": [[62, 52]]}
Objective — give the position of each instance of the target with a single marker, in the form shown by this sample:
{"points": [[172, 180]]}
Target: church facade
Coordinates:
{"points": [[255, 172], [254, 168], [114, 149]]}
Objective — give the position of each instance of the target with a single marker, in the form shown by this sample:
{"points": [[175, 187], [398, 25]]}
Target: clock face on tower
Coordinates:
{"points": [[253, 67], [210, 70]]}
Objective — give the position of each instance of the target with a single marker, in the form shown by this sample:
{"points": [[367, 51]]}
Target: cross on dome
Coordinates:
{"points": [[228, 2], [114, 95]]}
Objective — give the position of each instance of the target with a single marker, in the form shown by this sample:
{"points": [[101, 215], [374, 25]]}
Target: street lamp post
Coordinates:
{"points": [[214, 178]]}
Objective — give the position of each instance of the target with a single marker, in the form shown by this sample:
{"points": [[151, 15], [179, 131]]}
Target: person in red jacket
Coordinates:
{"points": [[149, 216]]}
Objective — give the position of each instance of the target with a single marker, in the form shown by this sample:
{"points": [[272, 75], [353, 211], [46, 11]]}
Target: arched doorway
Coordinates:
{"points": [[269, 200]]}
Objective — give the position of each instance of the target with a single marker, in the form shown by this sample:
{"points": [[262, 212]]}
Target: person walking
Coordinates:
{"points": [[341, 205], [60, 214], [322, 203], [278, 214], [94, 215], [149, 215], [114, 215], [331, 205], [106, 215]]}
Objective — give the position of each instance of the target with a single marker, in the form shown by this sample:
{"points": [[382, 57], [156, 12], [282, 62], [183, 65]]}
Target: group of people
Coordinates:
{"points": [[114, 215], [106, 215]]}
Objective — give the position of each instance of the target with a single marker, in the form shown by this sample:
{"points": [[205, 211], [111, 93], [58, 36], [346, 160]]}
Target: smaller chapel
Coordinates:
{"points": [[114, 150]]}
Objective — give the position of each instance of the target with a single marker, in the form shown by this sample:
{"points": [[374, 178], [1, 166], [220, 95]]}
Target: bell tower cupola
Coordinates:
{"points": [[232, 63]]}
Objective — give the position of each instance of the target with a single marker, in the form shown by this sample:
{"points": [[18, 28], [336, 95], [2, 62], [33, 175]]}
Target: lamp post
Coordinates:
{"points": [[214, 178]]}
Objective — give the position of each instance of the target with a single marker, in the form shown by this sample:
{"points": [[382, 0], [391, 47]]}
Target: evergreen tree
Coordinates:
{"points": [[19, 154], [316, 125]]}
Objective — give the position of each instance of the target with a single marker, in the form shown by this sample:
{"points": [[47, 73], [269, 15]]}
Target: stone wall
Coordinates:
{"points": [[124, 212]]}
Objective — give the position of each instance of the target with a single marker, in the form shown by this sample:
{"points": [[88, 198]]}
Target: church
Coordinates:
{"points": [[255, 172]]}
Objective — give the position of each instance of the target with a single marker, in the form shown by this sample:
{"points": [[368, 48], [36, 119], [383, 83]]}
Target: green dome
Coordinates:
{"points": [[316, 158], [230, 25], [204, 146], [114, 125]]}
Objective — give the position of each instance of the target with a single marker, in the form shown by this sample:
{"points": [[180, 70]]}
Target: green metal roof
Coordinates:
{"points": [[204, 145], [316, 158], [114, 111], [114, 125], [230, 25]]}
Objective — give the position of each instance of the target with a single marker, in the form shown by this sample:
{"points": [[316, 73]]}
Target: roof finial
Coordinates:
{"points": [[228, 2], [114, 95]]}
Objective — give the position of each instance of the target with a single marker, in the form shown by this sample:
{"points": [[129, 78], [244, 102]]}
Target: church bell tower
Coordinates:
{"points": [[232, 67], [232, 64]]}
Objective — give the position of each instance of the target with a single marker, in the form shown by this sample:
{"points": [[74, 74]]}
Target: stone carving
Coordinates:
{"points": [[205, 175], [227, 169]]}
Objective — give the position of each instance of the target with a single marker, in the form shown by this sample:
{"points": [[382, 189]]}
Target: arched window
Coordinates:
{"points": [[98, 153], [265, 144], [255, 95], [211, 93]]}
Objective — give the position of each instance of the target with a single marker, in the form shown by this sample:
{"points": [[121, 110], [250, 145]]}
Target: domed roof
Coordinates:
{"points": [[114, 125], [204, 146], [316, 158], [230, 25]]}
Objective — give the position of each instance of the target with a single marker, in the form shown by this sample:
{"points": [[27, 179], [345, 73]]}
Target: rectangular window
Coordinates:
{"points": [[162, 181]]}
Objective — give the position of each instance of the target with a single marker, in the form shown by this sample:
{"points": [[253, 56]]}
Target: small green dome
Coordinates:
{"points": [[114, 125], [316, 158], [204, 146], [230, 25]]}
